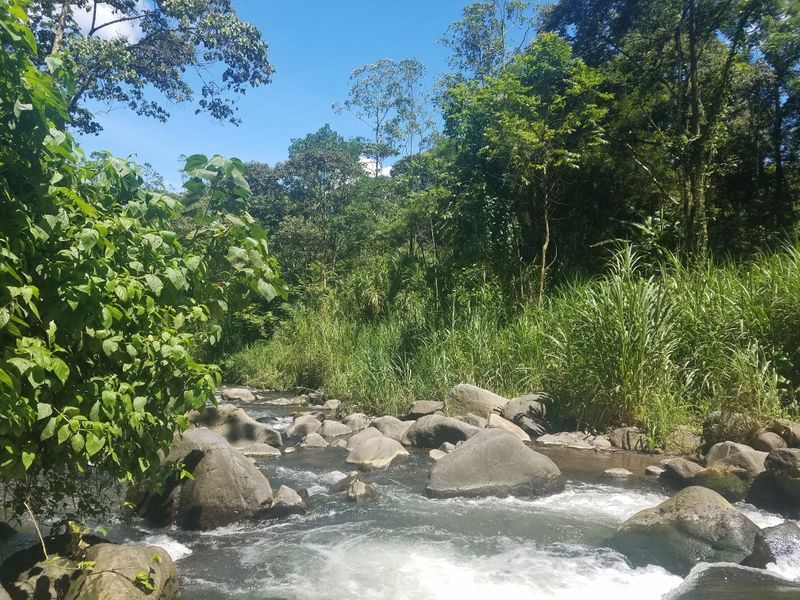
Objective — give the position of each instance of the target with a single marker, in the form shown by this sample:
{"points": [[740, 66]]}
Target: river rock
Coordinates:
{"points": [[435, 454], [421, 408], [314, 440], [617, 473], [766, 441], [286, 502], [237, 394], [344, 482], [474, 420], [653, 471], [498, 422], [528, 412], [391, 427], [731, 482], [359, 490], [376, 453], [494, 462], [628, 438], [235, 425], [679, 470], [260, 450], [573, 439], [695, 525], [115, 569], [729, 581], [356, 421], [49, 579], [332, 404], [433, 430], [774, 544], [303, 425], [788, 430], [333, 429], [365, 434], [721, 426], [740, 456], [465, 398], [447, 447]]}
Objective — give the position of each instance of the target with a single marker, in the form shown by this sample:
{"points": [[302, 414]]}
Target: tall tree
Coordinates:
{"points": [[121, 51]]}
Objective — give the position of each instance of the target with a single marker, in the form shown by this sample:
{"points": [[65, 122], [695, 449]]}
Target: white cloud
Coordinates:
{"points": [[368, 164], [128, 30]]}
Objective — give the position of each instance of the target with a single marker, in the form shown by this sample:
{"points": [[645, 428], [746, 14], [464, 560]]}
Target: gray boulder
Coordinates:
{"points": [[286, 502], [465, 398], [695, 525], [235, 425], [728, 581], [788, 430], [494, 462], [332, 404], [574, 439], [391, 427], [628, 438], [260, 450], [376, 453], [740, 456], [314, 440], [421, 408], [772, 543], [679, 470], [474, 420], [498, 422], [356, 421], [365, 434], [359, 490], [237, 394], [303, 425], [435, 454], [433, 430], [116, 567], [529, 412], [333, 429], [766, 441], [616, 473]]}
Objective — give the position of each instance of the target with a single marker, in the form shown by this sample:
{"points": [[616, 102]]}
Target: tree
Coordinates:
{"points": [[527, 128], [101, 301], [120, 51]]}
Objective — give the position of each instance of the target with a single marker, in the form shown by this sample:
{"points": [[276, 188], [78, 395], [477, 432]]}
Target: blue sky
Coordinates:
{"points": [[314, 45]]}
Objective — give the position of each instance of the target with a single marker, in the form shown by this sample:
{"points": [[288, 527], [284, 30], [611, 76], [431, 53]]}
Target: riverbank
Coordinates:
{"points": [[659, 347]]}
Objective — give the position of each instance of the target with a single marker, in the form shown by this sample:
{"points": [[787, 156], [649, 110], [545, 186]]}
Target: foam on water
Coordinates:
{"points": [[758, 516], [786, 566], [174, 548]]}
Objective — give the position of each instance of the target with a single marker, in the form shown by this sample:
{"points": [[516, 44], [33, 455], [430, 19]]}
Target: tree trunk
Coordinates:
{"points": [[58, 38], [546, 240]]}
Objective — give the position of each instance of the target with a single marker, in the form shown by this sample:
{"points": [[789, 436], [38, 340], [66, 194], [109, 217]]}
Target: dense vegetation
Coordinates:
{"points": [[106, 288], [608, 214]]}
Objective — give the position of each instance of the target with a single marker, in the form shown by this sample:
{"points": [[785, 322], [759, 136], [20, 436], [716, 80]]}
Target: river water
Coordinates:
{"points": [[407, 546]]}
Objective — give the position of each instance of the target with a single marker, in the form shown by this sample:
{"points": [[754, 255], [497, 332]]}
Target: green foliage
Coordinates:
{"points": [[100, 300], [158, 43]]}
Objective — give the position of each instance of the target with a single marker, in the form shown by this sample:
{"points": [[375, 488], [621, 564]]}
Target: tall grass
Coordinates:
{"points": [[657, 346]]}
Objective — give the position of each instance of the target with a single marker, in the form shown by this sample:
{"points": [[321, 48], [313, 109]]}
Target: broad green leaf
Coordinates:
{"points": [[94, 443], [61, 369], [266, 289], [110, 346], [176, 278], [63, 433], [77, 442], [49, 429], [43, 410], [28, 458], [154, 283]]}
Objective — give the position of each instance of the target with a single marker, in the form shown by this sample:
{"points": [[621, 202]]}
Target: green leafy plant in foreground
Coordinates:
{"points": [[100, 299]]}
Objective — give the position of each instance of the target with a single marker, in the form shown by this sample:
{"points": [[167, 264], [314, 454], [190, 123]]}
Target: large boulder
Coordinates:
{"points": [[433, 430], [237, 394], [465, 398], [364, 434], [778, 488], [314, 440], [45, 580], [334, 429], [225, 486], [728, 581], [628, 438], [528, 412], [774, 544], [376, 453], [740, 456], [766, 441], [498, 422], [474, 420], [235, 425], [303, 425], [421, 408], [356, 421], [494, 462], [695, 525], [730, 470], [391, 427], [115, 572], [788, 430], [679, 471]]}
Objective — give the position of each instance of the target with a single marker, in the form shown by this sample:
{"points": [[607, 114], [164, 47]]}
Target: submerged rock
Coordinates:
{"points": [[391, 427], [465, 398], [498, 422], [432, 431], [617, 473], [574, 439], [421, 408], [729, 581], [376, 453], [116, 567], [235, 425], [494, 462], [359, 491], [695, 525]]}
